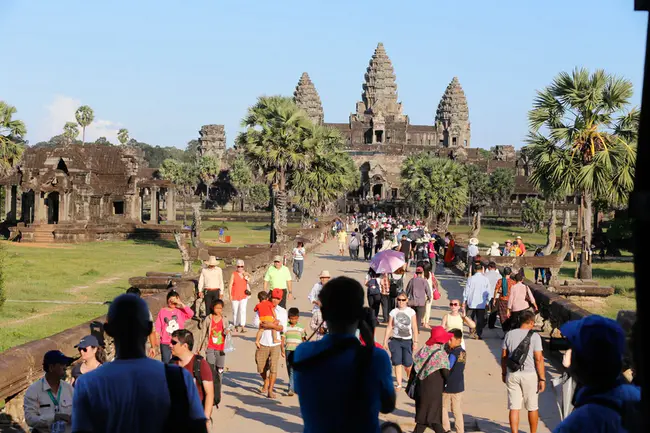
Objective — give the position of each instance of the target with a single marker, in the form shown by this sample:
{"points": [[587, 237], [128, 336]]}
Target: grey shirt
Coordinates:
{"points": [[418, 292], [516, 336]]}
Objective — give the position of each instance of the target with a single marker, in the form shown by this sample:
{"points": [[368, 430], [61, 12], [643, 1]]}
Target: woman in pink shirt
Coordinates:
{"points": [[171, 318], [520, 299]]}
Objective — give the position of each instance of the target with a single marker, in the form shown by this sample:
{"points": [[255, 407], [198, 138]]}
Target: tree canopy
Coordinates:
{"points": [[85, 116], [12, 141], [501, 185]]}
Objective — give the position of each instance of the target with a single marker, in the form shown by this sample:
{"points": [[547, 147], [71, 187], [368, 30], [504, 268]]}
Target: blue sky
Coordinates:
{"points": [[163, 68]]}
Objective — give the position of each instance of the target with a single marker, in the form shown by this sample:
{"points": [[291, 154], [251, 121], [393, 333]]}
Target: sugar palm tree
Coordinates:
{"points": [[123, 136], [12, 133], [70, 132], [582, 141], [274, 142], [85, 117]]}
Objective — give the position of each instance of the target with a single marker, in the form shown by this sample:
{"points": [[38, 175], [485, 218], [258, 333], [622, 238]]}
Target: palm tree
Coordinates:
{"points": [[123, 136], [588, 145], [85, 117], [436, 186], [275, 143], [70, 132], [12, 142]]}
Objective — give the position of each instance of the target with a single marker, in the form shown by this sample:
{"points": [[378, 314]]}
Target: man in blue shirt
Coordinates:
{"points": [[476, 296], [605, 403], [455, 384]]}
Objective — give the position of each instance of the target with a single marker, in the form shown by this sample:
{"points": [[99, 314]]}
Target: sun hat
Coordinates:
{"points": [[277, 259], [595, 336], [495, 244], [419, 270], [438, 336], [240, 262], [325, 274], [212, 261], [87, 341], [518, 237], [508, 241], [277, 294], [56, 357], [473, 241]]}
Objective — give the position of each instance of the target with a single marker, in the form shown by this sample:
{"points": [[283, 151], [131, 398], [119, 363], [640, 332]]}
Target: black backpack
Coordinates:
{"points": [[179, 418], [518, 356], [373, 287]]}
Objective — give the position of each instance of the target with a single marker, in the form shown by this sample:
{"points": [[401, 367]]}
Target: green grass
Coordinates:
{"points": [[241, 233], [88, 272], [489, 234]]}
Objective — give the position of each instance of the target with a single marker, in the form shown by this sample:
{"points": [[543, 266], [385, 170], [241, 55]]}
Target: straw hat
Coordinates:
{"points": [[508, 241], [495, 244], [212, 261], [325, 274], [518, 237], [473, 241]]}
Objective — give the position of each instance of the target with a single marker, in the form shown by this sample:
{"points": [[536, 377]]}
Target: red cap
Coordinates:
{"points": [[419, 270], [439, 336], [277, 293]]}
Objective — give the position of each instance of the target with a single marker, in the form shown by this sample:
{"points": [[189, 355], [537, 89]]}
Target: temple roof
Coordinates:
{"points": [[380, 89], [453, 104], [306, 97]]}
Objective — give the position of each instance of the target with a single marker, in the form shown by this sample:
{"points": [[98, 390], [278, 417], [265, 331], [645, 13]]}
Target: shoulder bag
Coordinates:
{"points": [[517, 358], [415, 379]]}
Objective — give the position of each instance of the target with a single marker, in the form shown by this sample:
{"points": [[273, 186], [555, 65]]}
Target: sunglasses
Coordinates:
{"points": [[454, 304], [240, 266], [84, 349], [401, 300], [174, 343]]}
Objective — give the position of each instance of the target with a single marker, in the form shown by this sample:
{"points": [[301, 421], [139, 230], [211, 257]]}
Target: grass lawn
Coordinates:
{"points": [[88, 272], [489, 234], [241, 233]]}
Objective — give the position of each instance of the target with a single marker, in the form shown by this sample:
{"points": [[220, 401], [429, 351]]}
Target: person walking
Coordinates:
{"points": [[120, 396], [277, 276], [540, 272], [432, 281], [239, 293], [387, 301], [171, 318], [456, 318], [431, 366], [418, 294], [342, 386], [355, 243], [48, 401], [520, 299], [402, 331], [475, 299], [501, 294], [92, 356], [267, 356], [450, 246], [373, 286], [452, 397], [472, 252], [197, 366], [298, 255], [342, 238], [210, 344], [368, 240], [294, 335], [211, 283], [323, 278], [524, 376]]}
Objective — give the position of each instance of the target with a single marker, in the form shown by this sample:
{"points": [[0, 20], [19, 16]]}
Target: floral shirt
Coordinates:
{"points": [[439, 360]]}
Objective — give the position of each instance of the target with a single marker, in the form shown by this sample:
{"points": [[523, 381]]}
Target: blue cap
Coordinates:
{"points": [[595, 336], [56, 357], [87, 341]]}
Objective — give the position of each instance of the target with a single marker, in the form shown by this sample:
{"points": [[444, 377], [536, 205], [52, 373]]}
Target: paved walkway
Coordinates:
{"points": [[485, 402]]}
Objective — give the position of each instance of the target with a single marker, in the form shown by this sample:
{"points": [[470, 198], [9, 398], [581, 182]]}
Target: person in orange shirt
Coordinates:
{"points": [[520, 246]]}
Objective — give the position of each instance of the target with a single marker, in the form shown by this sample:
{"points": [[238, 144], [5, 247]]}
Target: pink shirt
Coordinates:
{"points": [[517, 297], [169, 321]]}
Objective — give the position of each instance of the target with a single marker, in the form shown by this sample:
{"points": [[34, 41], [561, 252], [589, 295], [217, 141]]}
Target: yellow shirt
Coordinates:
{"points": [[277, 278], [39, 407], [342, 236]]}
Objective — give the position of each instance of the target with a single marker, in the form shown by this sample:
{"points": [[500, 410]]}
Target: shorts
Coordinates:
{"points": [[522, 387], [266, 358], [341, 245], [401, 352]]}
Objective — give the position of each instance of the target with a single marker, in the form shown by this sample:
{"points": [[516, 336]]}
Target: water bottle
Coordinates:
{"points": [[57, 427]]}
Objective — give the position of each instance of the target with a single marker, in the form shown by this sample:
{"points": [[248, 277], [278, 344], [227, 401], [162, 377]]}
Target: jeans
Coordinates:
{"points": [[165, 353], [239, 312], [290, 372], [298, 267], [217, 361], [354, 253], [541, 271], [367, 252], [387, 305], [374, 301], [477, 315], [210, 297], [421, 428], [419, 314]]}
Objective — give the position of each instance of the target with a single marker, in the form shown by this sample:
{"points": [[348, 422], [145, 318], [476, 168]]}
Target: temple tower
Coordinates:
{"points": [[452, 117], [306, 97], [212, 141]]}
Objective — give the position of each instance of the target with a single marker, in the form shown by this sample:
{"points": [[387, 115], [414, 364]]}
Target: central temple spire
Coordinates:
{"points": [[379, 95]]}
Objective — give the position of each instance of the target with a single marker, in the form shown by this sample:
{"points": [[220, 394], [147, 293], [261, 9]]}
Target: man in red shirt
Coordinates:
{"points": [[182, 343]]}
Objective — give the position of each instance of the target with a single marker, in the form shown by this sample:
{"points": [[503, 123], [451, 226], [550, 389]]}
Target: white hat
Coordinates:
{"points": [[495, 244], [212, 261], [518, 237], [473, 241], [240, 262], [325, 274]]}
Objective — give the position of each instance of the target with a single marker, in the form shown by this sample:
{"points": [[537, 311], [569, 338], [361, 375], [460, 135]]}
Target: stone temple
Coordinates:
{"points": [[379, 136]]}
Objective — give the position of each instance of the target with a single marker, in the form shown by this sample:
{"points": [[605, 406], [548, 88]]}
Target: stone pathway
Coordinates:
{"points": [[484, 401]]}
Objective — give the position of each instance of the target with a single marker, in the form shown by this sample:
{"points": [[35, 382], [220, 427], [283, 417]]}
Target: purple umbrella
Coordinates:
{"points": [[387, 261]]}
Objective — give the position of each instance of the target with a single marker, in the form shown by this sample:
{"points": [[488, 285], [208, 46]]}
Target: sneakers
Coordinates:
{"points": [[290, 393]]}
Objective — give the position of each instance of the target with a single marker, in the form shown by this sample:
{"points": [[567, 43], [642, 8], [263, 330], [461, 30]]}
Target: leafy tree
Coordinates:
{"points": [[85, 117], [241, 177], [479, 195], [533, 212], [3, 295], [12, 142], [192, 150], [57, 140], [70, 132], [484, 153], [502, 185], [435, 185], [103, 141], [184, 176], [208, 168], [155, 155], [259, 196], [123, 136], [274, 142], [582, 141], [224, 190]]}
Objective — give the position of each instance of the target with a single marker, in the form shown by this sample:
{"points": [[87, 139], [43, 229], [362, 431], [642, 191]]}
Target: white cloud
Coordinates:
{"points": [[62, 110]]}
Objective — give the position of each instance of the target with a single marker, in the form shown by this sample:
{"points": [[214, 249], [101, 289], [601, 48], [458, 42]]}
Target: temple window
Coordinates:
{"points": [[465, 143], [454, 141], [379, 135], [441, 142], [118, 208]]}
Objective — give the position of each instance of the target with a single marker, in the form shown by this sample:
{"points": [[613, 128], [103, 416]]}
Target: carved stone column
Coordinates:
{"points": [[39, 208], [155, 205], [171, 205], [7, 209]]}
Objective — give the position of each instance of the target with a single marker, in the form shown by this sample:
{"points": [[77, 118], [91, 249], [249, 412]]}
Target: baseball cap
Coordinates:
{"points": [[56, 357], [87, 341], [595, 336], [419, 270], [277, 293], [277, 259]]}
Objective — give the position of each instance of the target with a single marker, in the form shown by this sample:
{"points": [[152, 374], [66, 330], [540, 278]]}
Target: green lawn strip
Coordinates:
{"points": [[241, 233], [489, 234]]}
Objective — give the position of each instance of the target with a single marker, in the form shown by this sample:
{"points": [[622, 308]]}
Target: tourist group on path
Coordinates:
{"points": [[342, 375]]}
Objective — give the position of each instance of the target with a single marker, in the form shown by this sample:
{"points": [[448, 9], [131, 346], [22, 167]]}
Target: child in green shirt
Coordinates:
{"points": [[293, 336]]}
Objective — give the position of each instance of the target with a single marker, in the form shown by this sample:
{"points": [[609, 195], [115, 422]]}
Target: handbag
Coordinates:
{"points": [[414, 378], [436, 294]]}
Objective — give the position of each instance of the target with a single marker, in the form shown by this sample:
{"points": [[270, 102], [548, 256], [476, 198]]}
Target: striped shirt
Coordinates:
{"points": [[294, 335]]}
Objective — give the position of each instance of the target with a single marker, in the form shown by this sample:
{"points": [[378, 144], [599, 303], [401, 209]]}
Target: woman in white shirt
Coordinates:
{"points": [[402, 331], [299, 260]]}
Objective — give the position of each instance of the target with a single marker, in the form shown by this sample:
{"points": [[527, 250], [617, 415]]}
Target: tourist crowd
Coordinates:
{"points": [[343, 377]]}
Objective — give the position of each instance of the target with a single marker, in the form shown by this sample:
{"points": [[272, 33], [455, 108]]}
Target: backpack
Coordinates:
{"points": [[196, 372], [518, 356], [178, 418], [373, 287]]}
